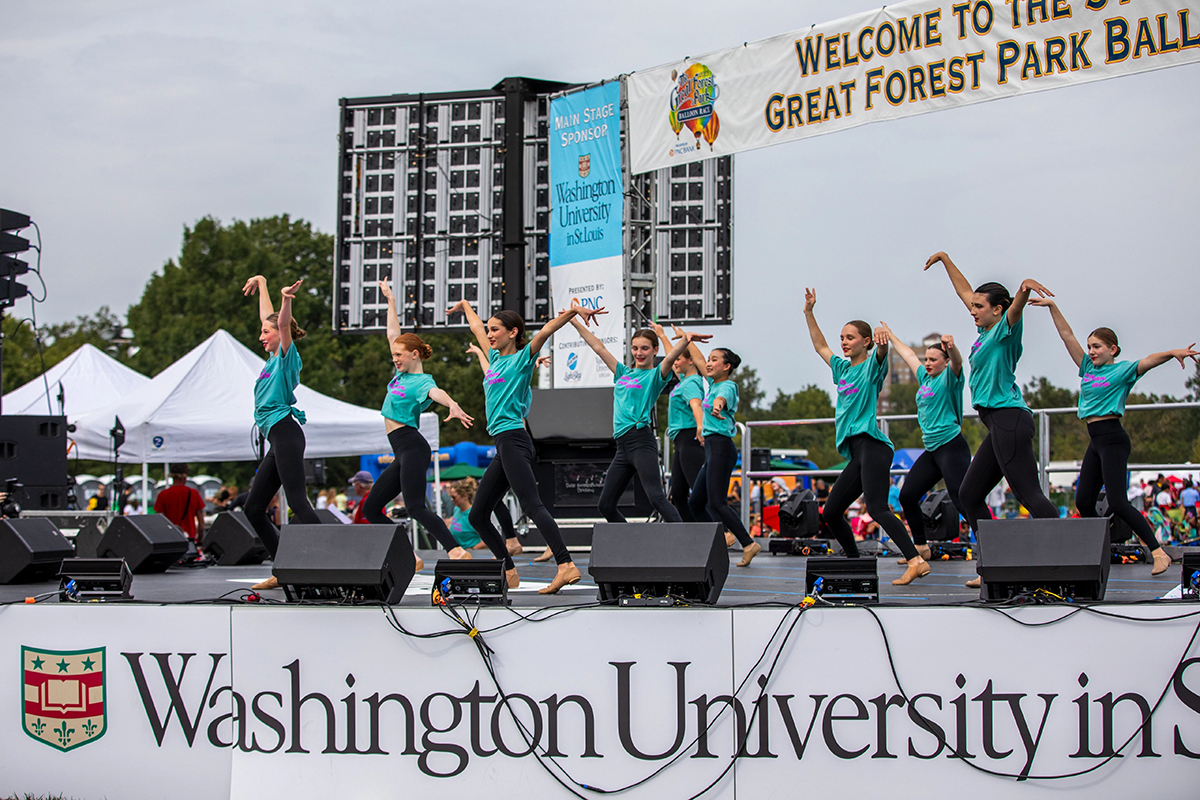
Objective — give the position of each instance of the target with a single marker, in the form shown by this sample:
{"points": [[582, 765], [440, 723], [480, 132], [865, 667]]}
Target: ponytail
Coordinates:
{"points": [[410, 341]]}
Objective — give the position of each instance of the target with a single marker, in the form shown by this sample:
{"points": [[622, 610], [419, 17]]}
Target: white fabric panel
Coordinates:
{"points": [[90, 379]]}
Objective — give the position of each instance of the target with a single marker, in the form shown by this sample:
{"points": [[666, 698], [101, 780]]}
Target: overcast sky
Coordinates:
{"points": [[125, 121]]}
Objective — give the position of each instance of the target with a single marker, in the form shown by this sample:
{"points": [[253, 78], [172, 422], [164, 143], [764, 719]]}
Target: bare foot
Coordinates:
{"points": [[568, 574]]}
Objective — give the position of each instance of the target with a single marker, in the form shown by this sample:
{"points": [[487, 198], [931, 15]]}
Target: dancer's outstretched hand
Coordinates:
{"points": [[254, 284], [457, 413], [810, 299], [1184, 353], [385, 289], [1030, 285], [936, 258], [290, 291]]}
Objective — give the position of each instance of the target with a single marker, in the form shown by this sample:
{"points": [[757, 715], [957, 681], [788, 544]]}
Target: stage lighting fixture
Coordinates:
{"points": [[92, 580], [798, 514]]}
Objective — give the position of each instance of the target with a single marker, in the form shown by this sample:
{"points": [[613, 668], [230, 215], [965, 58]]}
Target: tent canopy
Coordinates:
{"points": [[201, 408], [88, 379]]}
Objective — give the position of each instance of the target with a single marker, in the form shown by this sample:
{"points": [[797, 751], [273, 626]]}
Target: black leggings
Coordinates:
{"points": [[686, 461], [513, 467], [1006, 452], [949, 463], [1106, 463], [406, 474], [708, 497], [637, 454], [868, 474], [283, 465]]}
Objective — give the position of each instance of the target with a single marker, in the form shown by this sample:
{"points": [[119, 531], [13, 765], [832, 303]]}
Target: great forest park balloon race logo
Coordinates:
{"points": [[693, 102]]}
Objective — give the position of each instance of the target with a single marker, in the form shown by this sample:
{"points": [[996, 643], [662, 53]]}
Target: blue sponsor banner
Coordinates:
{"points": [[586, 191]]}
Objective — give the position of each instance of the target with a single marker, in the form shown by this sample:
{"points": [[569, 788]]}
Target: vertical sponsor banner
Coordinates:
{"points": [[586, 212], [901, 60]]}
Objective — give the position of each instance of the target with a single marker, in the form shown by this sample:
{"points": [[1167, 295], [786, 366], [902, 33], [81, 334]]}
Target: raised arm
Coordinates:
{"points": [[258, 285], [953, 352], [904, 350], [677, 350], [553, 326], [814, 330], [474, 322], [484, 364], [393, 321], [1078, 354], [1156, 359], [698, 357], [441, 397], [1022, 297], [962, 286], [881, 344], [285, 316], [593, 341]]}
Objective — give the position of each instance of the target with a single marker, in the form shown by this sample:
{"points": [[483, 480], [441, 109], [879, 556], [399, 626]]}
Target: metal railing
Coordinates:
{"points": [[1041, 415]]}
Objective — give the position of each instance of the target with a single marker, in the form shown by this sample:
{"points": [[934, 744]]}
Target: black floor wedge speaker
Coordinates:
{"points": [[344, 563], [231, 541], [148, 543], [31, 550], [1044, 559], [659, 563]]}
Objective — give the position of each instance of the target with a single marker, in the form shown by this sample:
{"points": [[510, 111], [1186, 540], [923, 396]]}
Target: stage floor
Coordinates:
{"points": [[770, 578]]}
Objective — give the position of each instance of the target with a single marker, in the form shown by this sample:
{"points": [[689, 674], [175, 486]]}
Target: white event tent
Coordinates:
{"points": [[87, 379], [201, 408]]}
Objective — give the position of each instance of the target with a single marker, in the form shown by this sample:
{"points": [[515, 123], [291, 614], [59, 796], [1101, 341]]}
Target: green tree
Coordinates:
{"points": [[811, 402]]}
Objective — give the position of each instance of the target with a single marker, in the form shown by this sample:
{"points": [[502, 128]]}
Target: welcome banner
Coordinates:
{"points": [[905, 59], [586, 214]]}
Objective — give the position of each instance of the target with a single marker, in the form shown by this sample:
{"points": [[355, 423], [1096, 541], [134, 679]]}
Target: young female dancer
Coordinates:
{"points": [[1007, 450], [506, 398], [462, 494], [860, 375], [635, 391], [278, 419], [411, 391], [1104, 386], [501, 512], [939, 413], [708, 499], [685, 425]]}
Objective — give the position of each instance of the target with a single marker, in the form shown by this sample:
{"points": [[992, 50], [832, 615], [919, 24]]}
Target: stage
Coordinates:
{"points": [[769, 579]]}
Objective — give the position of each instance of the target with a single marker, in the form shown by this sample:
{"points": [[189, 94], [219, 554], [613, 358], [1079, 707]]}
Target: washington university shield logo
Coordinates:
{"points": [[64, 696], [585, 165]]}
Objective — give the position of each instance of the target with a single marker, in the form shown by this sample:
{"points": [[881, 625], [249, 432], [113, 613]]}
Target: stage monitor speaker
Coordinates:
{"points": [[232, 542], [843, 581], [344, 563], [33, 450], [1119, 530], [31, 550], [799, 516], [1041, 558], [87, 580], [645, 563], [940, 517], [148, 543]]}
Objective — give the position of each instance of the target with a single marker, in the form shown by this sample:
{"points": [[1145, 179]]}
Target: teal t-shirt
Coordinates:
{"points": [[1103, 390], [939, 406], [679, 410], [994, 358], [506, 392], [634, 393], [275, 389], [857, 392], [407, 397], [712, 424], [460, 526]]}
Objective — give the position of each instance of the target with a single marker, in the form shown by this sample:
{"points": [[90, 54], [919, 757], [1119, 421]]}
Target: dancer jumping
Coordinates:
{"points": [[278, 419], [507, 397], [860, 375], [709, 494], [635, 391], [1105, 384], [1007, 450], [939, 414], [411, 391]]}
